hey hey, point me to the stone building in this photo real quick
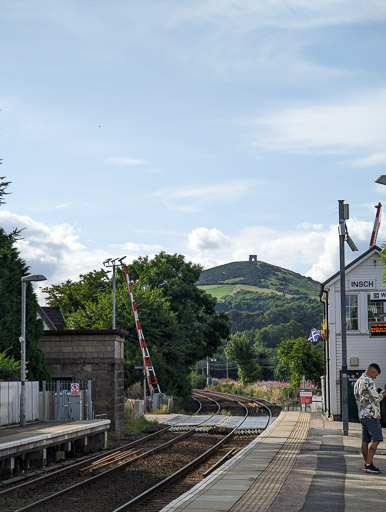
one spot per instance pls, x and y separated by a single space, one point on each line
95 355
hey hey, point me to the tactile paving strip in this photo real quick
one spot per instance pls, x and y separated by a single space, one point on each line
267 486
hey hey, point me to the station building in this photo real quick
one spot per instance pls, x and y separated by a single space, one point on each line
364 308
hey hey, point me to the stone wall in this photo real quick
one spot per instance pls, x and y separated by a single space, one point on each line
95 355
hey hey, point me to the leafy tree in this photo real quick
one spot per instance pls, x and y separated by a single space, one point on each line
298 357
266 358
9 367
179 321
73 297
201 326
258 310
271 335
12 269
240 349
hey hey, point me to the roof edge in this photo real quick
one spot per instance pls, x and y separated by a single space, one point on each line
375 248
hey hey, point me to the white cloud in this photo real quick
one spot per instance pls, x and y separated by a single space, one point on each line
251 14
356 123
56 252
190 199
227 191
308 226
312 251
202 239
371 160
118 160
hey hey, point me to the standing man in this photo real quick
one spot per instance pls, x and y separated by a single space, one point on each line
368 399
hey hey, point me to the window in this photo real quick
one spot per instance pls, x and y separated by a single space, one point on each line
352 312
375 311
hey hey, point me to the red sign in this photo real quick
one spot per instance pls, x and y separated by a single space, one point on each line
74 388
305 397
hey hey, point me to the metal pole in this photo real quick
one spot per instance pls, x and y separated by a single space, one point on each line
89 401
207 371
44 400
22 341
344 390
144 389
114 296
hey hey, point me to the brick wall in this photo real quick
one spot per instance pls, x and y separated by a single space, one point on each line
95 355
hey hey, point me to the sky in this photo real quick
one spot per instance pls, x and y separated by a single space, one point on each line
210 128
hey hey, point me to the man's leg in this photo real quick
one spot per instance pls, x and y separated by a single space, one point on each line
365 450
371 452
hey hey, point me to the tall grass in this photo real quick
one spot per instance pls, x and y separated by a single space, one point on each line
271 390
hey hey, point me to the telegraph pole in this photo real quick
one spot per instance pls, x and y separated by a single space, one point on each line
112 263
344 237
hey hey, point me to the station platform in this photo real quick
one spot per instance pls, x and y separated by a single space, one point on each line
38 442
302 462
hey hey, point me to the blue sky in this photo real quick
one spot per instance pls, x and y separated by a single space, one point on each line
215 129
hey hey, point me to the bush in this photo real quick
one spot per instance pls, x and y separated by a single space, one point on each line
135 391
198 381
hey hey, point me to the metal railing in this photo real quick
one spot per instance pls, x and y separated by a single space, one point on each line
291 400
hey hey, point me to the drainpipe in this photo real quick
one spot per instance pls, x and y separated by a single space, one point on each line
327 387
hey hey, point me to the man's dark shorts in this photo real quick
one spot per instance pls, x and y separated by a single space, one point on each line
371 430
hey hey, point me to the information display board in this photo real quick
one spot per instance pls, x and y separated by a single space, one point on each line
378 329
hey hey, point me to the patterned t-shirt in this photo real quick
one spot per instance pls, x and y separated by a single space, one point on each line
367 397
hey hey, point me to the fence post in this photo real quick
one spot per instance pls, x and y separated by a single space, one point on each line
44 400
89 401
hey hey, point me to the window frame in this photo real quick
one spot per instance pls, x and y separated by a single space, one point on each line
349 308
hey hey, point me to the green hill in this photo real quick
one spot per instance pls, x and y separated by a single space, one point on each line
268 301
256 277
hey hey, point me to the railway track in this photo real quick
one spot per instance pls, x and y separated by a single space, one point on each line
165 462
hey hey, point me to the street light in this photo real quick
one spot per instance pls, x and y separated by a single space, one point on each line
344 237
112 263
24 281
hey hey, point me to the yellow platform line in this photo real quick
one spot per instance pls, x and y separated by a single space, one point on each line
267 486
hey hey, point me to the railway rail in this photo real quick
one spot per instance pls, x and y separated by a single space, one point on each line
96 480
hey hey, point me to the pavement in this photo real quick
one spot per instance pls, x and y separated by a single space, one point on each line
302 462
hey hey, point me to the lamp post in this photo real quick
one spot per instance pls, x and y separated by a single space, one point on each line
24 281
344 237
111 263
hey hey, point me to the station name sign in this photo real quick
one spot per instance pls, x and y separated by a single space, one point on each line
362 284
378 329
378 296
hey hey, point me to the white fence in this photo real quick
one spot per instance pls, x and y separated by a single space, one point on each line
10 402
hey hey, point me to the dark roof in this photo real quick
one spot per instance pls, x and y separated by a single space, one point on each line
352 263
53 317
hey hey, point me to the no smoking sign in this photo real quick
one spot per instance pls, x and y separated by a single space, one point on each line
74 388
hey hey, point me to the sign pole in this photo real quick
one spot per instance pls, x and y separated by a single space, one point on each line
344 389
